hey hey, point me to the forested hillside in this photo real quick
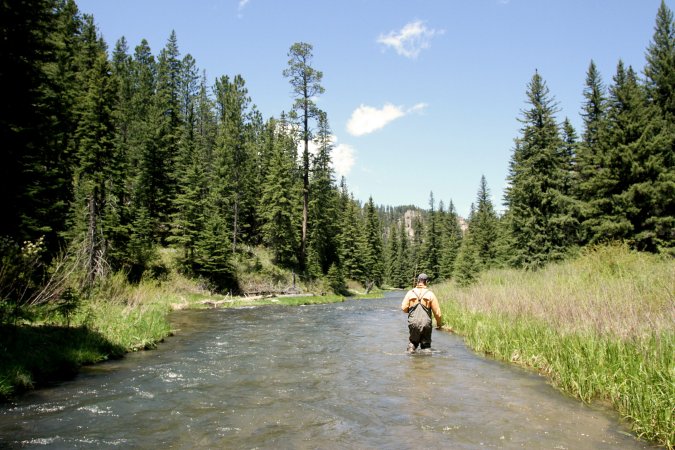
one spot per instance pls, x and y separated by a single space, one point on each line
109 154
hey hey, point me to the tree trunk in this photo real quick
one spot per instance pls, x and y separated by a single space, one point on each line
305 188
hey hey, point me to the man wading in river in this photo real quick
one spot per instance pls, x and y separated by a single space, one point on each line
419 303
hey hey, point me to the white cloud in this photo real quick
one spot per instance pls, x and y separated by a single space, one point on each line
418 108
366 119
343 158
242 5
411 39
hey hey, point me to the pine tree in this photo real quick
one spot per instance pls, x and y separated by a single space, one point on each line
406 269
139 162
278 196
627 203
120 201
306 84
660 82
352 241
540 214
374 270
38 43
212 258
52 187
451 242
189 216
415 249
594 107
568 158
95 174
589 157
430 248
235 163
162 149
255 143
195 181
323 215
660 67
393 266
467 266
483 228
200 226
188 90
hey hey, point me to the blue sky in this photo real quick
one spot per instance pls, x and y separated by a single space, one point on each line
421 95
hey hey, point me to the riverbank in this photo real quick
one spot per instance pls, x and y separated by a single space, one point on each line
119 318
600 327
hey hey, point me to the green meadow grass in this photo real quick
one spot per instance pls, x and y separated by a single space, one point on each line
600 327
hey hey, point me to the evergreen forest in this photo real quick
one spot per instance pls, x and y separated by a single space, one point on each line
112 153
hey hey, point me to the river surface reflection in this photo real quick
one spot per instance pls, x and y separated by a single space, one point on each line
322 376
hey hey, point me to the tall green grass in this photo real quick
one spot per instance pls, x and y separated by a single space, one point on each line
601 327
116 319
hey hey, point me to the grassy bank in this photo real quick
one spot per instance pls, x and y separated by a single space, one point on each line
118 318
601 327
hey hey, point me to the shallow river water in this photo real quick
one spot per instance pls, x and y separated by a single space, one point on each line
323 376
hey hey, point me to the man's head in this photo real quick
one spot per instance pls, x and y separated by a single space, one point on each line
422 278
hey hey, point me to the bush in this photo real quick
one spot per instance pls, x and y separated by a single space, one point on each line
21 271
336 280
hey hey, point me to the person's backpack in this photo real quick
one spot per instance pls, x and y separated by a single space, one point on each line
419 316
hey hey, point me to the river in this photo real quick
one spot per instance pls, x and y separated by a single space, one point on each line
322 376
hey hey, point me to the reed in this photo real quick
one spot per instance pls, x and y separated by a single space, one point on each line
601 327
133 328
118 318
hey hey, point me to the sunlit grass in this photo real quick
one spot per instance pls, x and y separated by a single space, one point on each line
601 327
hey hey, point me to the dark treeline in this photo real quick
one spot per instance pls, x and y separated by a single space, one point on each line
109 155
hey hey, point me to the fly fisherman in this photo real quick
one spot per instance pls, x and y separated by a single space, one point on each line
419 303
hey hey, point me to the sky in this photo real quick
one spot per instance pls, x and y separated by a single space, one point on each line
422 96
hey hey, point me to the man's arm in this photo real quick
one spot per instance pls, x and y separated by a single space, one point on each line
436 308
405 305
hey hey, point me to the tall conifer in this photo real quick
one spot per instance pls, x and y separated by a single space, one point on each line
278 196
630 181
163 149
467 266
374 269
451 241
38 46
393 267
430 248
306 84
406 270
483 228
97 162
323 216
660 83
542 222
235 163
